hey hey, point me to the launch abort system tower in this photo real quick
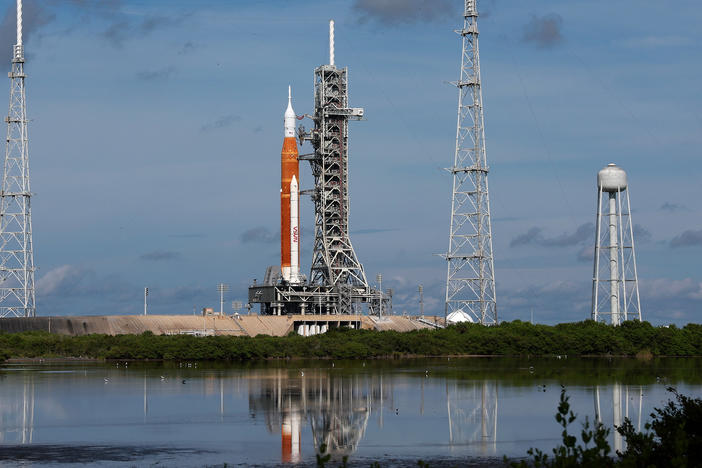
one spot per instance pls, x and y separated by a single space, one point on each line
470 279
16 254
337 282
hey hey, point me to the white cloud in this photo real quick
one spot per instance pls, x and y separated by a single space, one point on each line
664 288
657 41
60 280
79 290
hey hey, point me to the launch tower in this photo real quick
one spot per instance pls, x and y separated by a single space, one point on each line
337 282
470 279
334 261
16 255
615 282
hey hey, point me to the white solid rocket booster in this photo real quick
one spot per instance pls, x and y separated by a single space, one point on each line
294 232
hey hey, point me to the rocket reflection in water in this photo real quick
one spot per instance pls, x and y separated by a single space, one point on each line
336 407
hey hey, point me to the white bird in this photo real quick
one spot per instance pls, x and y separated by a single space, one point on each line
302 373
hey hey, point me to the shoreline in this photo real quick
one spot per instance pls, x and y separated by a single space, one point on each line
65 359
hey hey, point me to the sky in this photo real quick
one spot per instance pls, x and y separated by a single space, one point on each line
156 129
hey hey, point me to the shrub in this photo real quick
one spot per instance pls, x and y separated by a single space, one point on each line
673 438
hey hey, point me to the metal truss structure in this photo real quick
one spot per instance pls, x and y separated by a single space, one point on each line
334 261
337 282
336 276
314 299
470 280
282 299
16 255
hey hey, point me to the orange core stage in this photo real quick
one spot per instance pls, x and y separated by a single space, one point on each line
289 167
289 200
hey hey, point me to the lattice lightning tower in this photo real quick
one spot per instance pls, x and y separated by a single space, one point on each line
16 255
470 280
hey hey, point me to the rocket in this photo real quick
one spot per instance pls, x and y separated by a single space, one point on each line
289 200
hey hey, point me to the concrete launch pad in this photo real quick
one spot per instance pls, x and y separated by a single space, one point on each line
210 325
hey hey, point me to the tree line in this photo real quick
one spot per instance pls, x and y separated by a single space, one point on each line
507 339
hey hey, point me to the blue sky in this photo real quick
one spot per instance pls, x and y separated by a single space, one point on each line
157 125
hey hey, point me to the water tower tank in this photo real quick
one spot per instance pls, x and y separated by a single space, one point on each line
612 178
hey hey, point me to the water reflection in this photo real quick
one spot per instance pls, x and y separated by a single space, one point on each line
628 394
17 412
336 407
418 409
472 414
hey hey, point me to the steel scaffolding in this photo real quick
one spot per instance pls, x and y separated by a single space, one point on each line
335 269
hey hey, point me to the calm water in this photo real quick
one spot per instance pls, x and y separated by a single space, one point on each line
190 414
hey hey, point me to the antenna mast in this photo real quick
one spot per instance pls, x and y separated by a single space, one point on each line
16 254
470 279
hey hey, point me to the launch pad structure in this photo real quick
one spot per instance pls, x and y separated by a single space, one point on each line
337 283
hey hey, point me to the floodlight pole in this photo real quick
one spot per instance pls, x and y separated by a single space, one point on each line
221 287
380 292
421 300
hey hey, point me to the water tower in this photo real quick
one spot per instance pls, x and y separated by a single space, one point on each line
615 285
